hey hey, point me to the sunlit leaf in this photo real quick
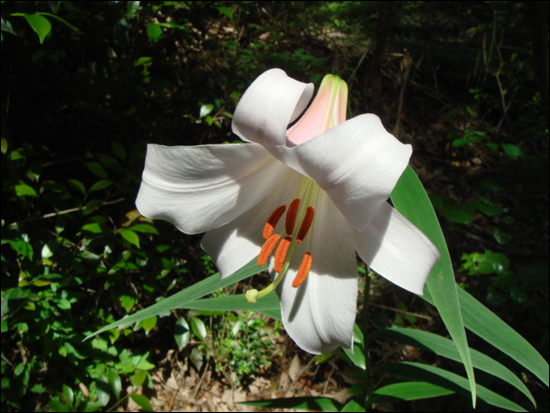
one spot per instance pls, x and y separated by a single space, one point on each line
182 333
143 402
130 236
410 199
115 382
187 296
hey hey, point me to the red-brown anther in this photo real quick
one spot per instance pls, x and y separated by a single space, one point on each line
303 271
267 249
280 254
291 216
306 224
273 220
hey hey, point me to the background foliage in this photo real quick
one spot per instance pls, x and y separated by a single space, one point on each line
85 85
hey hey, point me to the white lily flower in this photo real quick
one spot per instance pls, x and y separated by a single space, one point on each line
303 199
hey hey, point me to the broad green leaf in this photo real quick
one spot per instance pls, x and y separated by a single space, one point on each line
92 227
57 406
513 151
446 348
154 31
182 333
199 328
99 185
118 150
68 394
483 322
187 296
114 382
448 380
138 378
226 11
102 390
410 199
323 404
77 185
13 299
149 324
40 25
145 228
408 390
143 402
97 169
22 189
130 236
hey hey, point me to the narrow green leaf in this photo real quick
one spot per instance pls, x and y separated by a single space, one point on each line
408 390
446 348
357 357
448 380
323 404
483 322
187 296
352 406
411 200
268 305
40 25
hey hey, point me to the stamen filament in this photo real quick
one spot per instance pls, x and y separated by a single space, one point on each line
291 216
303 271
306 224
280 254
267 249
273 220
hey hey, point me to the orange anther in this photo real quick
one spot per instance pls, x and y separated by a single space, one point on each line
306 224
272 221
303 271
291 216
280 254
267 249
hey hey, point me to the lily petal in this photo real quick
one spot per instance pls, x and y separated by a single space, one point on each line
198 188
319 315
235 244
270 103
357 163
396 249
